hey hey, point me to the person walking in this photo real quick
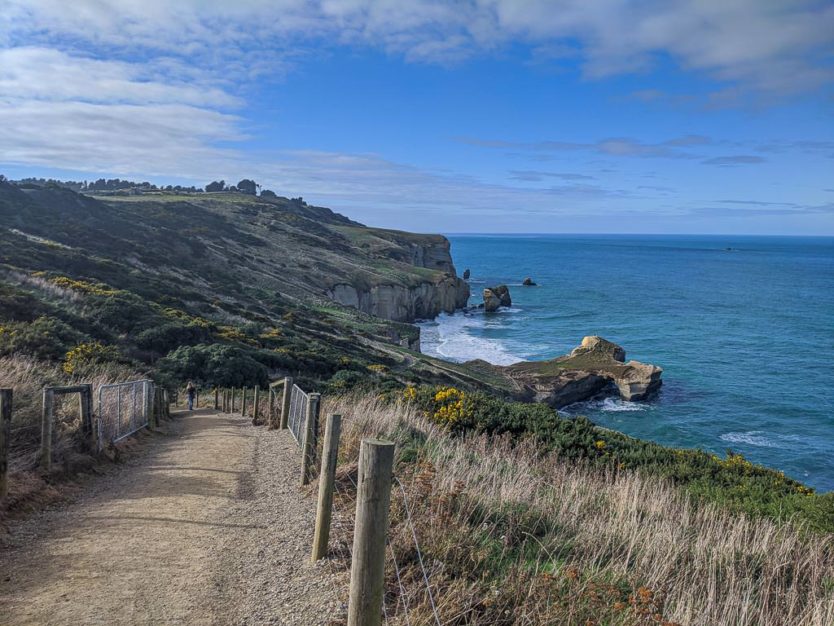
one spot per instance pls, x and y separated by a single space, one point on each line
191 392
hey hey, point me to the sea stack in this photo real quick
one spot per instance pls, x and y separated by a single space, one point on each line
496 297
466 274
528 282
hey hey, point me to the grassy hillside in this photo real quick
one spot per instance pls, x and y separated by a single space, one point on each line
171 281
513 531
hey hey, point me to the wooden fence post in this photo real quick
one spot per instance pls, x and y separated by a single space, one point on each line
308 448
86 414
373 499
5 438
232 408
255 402
216 398
327 477
46 429
270 420
243 401
285 402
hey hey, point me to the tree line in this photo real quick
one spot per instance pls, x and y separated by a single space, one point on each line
246 186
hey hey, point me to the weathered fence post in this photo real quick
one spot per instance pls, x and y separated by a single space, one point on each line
327 477
5 438
85 400
308 448
232 408
373 499
46 429
285 402
243 401
255 407
216 398
270 420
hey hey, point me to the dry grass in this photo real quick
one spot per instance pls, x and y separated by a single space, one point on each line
515 536
27 377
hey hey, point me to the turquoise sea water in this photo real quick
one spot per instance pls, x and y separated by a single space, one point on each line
743 327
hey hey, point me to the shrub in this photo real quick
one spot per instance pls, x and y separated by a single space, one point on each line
215 365
170 336
86 354
44 338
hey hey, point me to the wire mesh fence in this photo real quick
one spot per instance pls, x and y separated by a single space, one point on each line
298 412
123 409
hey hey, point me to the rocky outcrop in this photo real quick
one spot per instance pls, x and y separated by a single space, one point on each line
496 297
597 367
491 301
412 293
466 274
405 304
528 282
597 347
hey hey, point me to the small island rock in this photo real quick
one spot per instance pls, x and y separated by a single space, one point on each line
466 274
528 282
495 297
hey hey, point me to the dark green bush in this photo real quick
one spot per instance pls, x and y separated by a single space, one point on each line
214 365
44 338
170 336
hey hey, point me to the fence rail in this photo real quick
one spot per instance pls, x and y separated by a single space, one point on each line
123 408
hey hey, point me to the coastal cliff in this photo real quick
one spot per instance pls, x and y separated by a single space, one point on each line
425 285
402 303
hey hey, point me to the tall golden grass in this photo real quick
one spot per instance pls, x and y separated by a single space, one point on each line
514 535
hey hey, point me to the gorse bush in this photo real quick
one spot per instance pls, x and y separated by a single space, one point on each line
732 481
44 338
85 354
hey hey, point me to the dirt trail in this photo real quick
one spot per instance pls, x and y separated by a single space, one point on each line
207 526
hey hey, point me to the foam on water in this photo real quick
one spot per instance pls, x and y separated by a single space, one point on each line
449 337
606 405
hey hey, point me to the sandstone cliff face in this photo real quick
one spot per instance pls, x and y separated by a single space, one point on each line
420 298
405 304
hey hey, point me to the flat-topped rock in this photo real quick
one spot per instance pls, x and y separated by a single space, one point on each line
595 368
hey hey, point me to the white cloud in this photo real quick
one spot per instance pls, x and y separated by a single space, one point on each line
38 73
768 46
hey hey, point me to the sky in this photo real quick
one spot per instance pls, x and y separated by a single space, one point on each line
500 116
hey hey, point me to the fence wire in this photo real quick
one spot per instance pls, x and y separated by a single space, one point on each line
298 413
123 409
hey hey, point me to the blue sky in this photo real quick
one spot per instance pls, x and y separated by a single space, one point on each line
469 116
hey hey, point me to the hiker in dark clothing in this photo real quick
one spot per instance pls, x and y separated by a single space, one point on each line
191 392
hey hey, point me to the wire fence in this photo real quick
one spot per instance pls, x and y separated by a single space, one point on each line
298 412
343 538
123 408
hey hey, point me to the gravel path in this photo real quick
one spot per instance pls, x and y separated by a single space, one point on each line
207 526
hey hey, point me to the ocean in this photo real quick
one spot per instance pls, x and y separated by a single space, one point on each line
742 326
